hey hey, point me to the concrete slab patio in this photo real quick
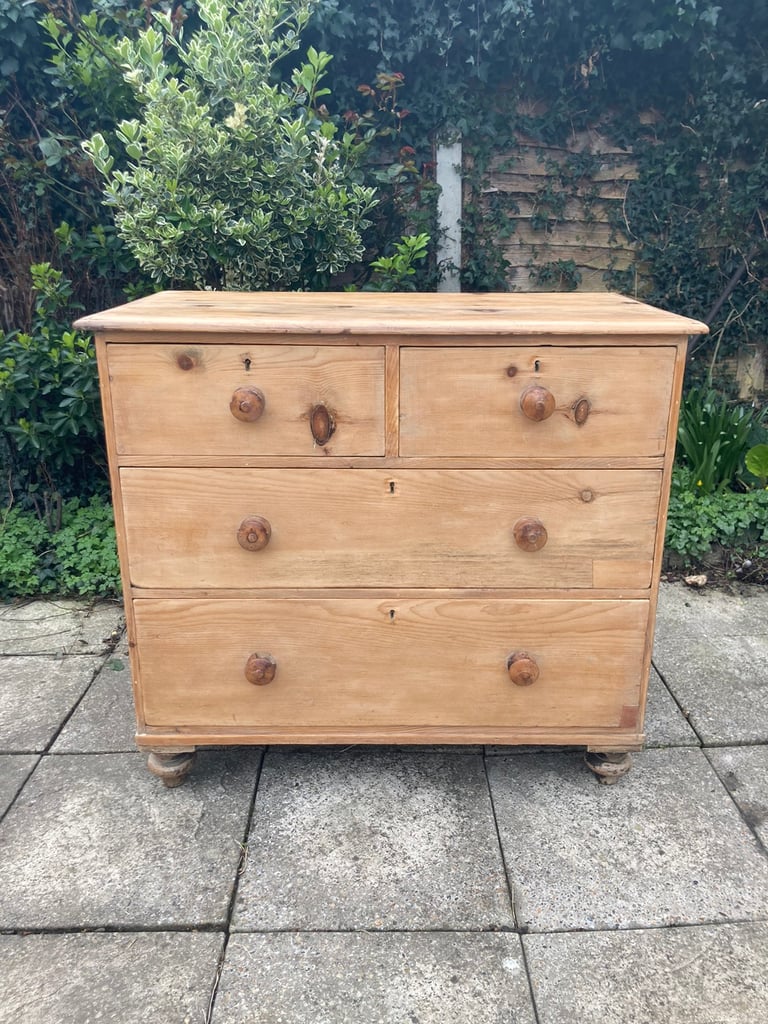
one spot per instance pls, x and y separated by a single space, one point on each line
393 885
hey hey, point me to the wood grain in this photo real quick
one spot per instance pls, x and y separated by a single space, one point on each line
374 528
347 382
373 663
466 402
328 313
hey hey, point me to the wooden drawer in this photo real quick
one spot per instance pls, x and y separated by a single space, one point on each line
391 528
467 401
376 663
175 399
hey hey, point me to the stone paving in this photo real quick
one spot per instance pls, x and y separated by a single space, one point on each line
395 885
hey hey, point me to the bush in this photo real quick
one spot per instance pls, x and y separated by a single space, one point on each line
233 181
78 559
50 411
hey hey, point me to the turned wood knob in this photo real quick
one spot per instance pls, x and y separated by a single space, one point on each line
530 534
522 668
322 424
247 404
260 669
537 402
253 533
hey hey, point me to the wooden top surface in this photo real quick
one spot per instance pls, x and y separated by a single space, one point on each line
374 313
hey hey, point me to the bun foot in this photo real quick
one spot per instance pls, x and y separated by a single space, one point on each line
608 768
171 768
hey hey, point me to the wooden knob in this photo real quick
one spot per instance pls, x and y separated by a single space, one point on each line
260 669
253 533
530 534
537 402
247 404
522 668
322 424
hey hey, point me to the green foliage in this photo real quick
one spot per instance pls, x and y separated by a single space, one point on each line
79 558
50 412
696 521
396 273
713 438
757 463
233 181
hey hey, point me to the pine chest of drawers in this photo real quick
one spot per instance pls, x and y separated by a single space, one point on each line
365 518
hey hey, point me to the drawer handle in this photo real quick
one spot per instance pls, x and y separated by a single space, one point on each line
530 534
322 424
537 403
260 669
253 533
522 668
247 404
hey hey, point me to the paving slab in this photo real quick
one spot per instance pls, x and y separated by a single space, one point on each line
665 723
372 839
94 840
14 771
685 611
707 975
744 772
60 627
720 682
105 720
36 696
109 978
374 978
665 846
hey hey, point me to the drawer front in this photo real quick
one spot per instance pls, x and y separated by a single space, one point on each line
359 663
176 400
596 402
190 528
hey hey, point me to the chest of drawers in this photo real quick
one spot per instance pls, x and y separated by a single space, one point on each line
365 518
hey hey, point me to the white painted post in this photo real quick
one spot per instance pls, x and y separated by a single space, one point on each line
448 175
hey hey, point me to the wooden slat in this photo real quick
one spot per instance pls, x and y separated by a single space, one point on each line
374 528
467 402
390 663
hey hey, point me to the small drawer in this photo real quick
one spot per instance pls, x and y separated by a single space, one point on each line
378 663
299 400
535 402
262 528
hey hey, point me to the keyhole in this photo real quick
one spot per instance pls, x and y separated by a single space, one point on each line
247 363
536 365
391 613
391 486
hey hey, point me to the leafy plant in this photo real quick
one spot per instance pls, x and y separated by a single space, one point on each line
50 411
79 558
757 463
713 438
233 181
395 273
697 521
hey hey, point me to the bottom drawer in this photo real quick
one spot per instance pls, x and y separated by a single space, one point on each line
372 663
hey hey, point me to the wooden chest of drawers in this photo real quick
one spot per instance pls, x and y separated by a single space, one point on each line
365 518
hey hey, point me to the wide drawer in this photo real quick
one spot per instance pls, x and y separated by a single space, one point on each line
598 402
190 528
176 399
363 663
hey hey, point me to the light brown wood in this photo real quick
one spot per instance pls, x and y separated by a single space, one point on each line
392 551
463 402
295 381
323 313
385 663
375 528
